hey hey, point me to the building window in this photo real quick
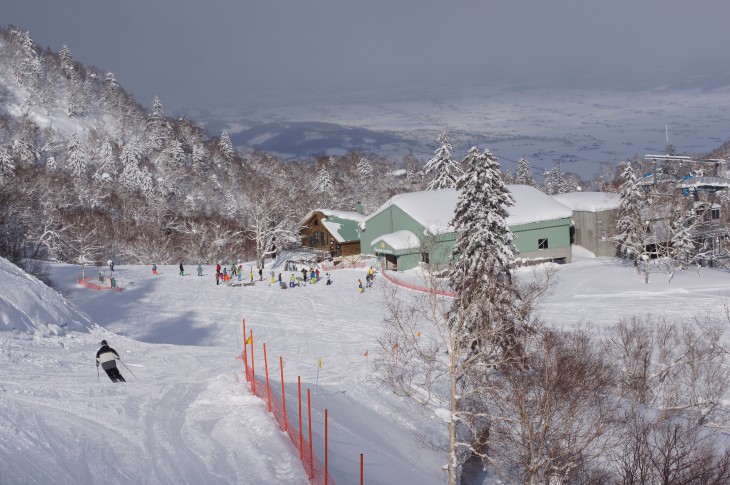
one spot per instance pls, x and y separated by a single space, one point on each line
542 244
424 258
715 214
311 240
316 222
323 239
316 238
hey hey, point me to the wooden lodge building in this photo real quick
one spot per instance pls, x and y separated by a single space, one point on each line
333 232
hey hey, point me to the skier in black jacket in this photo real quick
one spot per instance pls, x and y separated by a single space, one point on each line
107 357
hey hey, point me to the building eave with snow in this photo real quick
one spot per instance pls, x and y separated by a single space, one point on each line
333 232
415 227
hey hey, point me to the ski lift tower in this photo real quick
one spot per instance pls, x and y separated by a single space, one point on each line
698 181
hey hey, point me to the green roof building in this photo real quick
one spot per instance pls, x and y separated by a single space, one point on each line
415 227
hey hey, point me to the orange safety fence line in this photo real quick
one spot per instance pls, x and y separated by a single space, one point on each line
87 283
313 466
415 287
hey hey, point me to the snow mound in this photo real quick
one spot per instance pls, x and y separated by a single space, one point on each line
29 306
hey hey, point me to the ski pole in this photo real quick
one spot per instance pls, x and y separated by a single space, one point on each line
125 366
97 374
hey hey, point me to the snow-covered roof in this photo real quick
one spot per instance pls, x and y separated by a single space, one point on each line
341 224
434 209
589 201
347 215
398 240
334 229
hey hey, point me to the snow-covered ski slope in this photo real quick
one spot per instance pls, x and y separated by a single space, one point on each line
190 419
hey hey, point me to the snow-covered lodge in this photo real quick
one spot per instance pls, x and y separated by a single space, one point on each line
333 232
415 227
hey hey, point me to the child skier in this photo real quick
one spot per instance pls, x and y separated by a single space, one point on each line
200 269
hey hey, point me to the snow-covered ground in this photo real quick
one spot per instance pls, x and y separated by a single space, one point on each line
187 417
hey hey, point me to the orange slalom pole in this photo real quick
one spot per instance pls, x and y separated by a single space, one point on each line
311 454
326 467
268 389
245 357
253 374
283 394
301 438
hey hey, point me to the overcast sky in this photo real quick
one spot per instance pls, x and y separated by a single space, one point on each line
193 52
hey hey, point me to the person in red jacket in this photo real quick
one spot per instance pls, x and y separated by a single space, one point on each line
107 357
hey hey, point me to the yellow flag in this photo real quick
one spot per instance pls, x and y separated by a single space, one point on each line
248 340
320 362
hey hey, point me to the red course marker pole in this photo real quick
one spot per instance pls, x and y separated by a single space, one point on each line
311 459
326 435
283 394
245 357
253 373
268 388
301 436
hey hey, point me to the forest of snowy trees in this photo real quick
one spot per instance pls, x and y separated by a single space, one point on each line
88 174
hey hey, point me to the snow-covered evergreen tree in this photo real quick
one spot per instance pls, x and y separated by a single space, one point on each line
484 319
554 183
27 62
524 176
630 226
364 170
226 147
131 153
23 152
107 160
77 161
200 157
175 154
67 61
7 167
323 182
132 176
442 168
682 245
51 165
483 254
156 126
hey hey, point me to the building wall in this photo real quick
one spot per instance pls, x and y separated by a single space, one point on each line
439 248
389 220
349 250
594 230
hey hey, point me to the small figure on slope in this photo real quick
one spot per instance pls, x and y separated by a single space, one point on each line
182 270
200 270
359 285
107 357
154 269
